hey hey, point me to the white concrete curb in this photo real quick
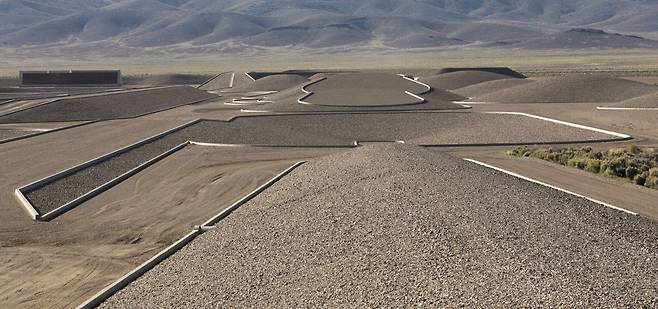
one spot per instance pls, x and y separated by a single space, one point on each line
124 281
550 186
627 108
621 135
252 79
415 80
212 221
230 83
41 182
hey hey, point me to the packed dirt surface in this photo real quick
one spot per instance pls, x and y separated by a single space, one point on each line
61 263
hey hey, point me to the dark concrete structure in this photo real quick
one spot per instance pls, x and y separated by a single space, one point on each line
95 78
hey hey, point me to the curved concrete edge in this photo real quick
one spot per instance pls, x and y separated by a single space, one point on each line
106 186
575 125
627 108
227 211
551 186
46 131
428 88
308 93
48 179
124 281
419 99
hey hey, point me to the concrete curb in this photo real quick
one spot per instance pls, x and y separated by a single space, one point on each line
420 99
250 77
46 180
209 80
551 186
218 217
124 281
104 187
13 139
627 108
133 275
307 92
415 80
620 135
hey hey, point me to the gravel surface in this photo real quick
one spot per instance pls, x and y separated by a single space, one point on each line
110 106
364 89
398 226
286 101
273 83
645 101
574 88
456 80
62 191
319 130
11 133
221 81
479 89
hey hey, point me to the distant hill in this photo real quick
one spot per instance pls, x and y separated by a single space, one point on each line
129 26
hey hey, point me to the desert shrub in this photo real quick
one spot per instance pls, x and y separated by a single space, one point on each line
651 182
639 165
631 172
576 162
593 166
653 172
634 149
640 179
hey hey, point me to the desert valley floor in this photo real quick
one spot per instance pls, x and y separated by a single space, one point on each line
325 188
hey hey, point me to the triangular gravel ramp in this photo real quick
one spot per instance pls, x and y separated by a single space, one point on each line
400 226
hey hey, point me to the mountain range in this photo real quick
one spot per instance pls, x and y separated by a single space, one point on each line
124 27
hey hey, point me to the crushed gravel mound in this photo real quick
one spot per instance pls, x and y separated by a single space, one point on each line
171 79
490 86
645 101
272 83
498 70
110 106
460 79
573 88
400 226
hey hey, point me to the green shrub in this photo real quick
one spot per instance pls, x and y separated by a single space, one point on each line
639 165
640 179
631 172
593 166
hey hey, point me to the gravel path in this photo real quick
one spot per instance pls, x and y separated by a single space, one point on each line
110 106
318 130
64 190
399 226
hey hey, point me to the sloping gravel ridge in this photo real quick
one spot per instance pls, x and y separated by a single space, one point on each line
400 226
